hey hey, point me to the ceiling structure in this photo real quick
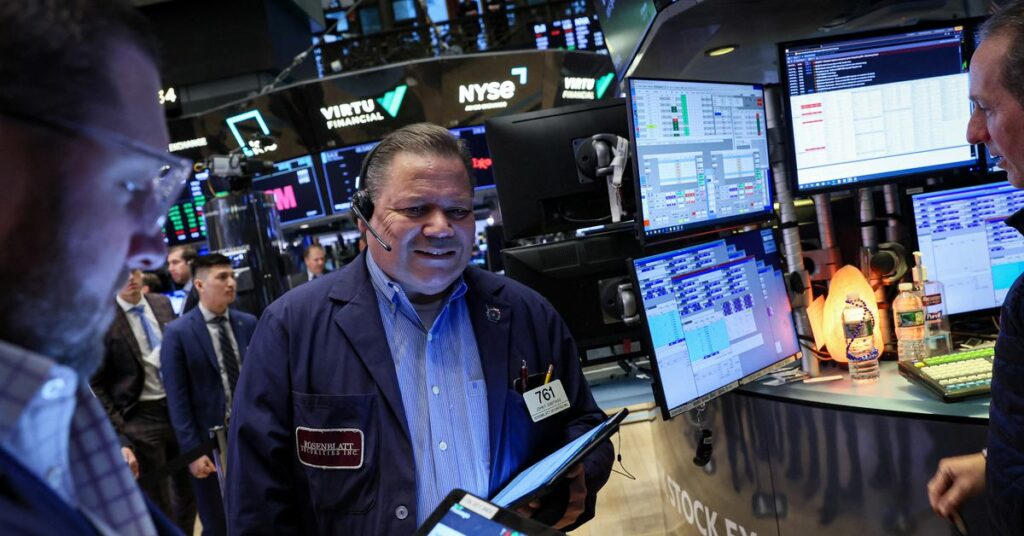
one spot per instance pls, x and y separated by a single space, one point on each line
684 30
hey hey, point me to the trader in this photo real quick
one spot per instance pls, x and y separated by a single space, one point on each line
372 392
997 91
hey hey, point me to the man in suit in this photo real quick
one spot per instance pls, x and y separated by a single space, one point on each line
129 386
201 357
84 145
179 265
315 258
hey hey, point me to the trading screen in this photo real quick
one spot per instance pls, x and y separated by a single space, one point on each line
966 245
185 222
875 107
716 313
295 189
341 169
701 152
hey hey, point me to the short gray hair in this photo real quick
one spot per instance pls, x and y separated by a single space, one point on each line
424 139
1009 21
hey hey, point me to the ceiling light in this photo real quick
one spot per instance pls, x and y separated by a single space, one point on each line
720 51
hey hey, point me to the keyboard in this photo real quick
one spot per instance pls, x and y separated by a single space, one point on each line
953 376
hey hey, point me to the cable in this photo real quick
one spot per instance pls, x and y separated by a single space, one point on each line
618 457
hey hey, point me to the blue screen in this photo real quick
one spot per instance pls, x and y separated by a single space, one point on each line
716 312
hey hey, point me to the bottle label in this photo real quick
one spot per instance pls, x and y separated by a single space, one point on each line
931 299
934 316
910 319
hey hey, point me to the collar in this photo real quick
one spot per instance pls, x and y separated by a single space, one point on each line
393 292
29 374
1016 220
208 316
188 286
125 306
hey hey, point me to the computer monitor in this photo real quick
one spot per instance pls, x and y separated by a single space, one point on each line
701 155
580 278
185 222
476 143
717 315
539 187
877 106
966 245
341 171
295 189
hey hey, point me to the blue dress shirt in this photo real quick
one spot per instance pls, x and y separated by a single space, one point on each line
443 391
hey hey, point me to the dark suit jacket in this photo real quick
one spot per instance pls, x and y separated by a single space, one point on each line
28 506
295 280
191 301
195 392
118 382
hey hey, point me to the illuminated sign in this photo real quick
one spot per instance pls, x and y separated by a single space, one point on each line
254 147
284 197
194 143
364 111
583 88
491 95
167 96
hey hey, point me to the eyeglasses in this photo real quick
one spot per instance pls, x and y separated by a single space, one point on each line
152 192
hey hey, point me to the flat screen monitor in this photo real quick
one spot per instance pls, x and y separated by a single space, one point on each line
717 315
701 155
539 187
296 192
580 278
476 142
341 171
878 106
185 222
966 245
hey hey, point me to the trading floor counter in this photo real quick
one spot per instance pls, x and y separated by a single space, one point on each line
824 458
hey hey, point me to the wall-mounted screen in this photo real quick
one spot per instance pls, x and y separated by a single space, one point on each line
700 155
295 189
877 106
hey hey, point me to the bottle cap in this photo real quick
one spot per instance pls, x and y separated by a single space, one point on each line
906 287
853 296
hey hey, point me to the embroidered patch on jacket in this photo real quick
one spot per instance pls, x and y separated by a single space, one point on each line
336 448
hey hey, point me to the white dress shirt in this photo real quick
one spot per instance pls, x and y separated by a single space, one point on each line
152 387
211 326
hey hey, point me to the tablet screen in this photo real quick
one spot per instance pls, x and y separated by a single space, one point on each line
545 470
462 521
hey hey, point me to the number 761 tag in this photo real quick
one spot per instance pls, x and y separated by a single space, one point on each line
546 400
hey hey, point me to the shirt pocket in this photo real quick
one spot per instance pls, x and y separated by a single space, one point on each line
337 446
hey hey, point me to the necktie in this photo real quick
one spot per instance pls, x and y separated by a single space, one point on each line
152 336
227 352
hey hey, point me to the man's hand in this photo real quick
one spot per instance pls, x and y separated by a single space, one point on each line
202 467
577 499
958 478
129 458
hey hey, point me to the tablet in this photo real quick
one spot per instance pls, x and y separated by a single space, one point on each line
462 514
540 477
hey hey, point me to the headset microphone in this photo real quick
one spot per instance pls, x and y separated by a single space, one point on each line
359 201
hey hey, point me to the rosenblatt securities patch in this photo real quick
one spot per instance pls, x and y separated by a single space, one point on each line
338 448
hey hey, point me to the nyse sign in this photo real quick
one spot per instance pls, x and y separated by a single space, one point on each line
491 95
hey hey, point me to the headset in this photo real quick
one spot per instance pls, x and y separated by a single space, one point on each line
362 203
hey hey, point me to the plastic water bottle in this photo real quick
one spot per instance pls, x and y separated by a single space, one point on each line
859 329
936 321
908 318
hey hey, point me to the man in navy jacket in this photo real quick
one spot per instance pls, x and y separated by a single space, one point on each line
997 91
202 354
343 423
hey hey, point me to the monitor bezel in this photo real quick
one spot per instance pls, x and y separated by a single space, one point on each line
658 385
966 50
708 226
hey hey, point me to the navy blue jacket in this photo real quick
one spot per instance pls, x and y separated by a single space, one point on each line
28 506
1005 467
191 374
320 360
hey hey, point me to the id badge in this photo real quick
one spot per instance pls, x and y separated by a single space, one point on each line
546 400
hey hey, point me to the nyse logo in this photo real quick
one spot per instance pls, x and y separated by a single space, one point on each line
491 95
